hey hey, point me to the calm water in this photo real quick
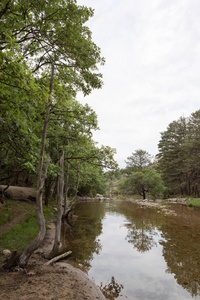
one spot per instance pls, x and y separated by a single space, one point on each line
137 253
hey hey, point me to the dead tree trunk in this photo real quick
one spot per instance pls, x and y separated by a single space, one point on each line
56 245
40 184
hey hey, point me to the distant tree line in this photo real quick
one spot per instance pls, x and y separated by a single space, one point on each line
175 170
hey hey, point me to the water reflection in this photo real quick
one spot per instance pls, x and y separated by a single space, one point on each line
143 241
137 252
142 226
111 290
81 236
181 248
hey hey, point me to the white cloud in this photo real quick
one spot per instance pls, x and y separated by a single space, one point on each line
152 71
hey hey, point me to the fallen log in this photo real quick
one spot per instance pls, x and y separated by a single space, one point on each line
59 257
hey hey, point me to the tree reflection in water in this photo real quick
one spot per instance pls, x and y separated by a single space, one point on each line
141 239
181 243
177 239
111 290
142 226
81 236
180 240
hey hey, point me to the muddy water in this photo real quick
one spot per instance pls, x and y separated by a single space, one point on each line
137 253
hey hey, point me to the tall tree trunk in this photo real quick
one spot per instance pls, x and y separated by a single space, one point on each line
65 215
40 184
196 190
143 194
23 260
56 245
47 191
66 189
66 186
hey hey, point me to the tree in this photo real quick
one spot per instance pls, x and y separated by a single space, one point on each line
143 182
179 155
40 184
193 152
138 160
50 38
72 131
173 157
47 55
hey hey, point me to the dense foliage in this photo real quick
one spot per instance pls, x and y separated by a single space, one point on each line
37 37
179 156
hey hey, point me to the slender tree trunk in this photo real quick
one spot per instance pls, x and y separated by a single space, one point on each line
65 215
56 245
189 184
23 260
196 190
47 192
144 194
66 187
40 184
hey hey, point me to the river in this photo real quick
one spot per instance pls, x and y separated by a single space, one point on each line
137 252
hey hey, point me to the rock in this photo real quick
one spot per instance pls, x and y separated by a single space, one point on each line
88 199
99 196
6 252
51 226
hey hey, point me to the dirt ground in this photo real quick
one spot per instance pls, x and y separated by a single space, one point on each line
54 282
60 281
57 281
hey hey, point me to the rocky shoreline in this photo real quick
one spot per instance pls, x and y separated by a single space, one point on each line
178 200
93 199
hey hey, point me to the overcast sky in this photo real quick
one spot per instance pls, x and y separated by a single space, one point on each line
152 71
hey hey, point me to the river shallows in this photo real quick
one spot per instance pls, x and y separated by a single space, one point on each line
135 252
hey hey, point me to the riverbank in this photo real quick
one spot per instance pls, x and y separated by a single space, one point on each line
38 281
158 204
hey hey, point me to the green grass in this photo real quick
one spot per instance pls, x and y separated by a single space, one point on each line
20 235
193 202
7 211
23 233
10 208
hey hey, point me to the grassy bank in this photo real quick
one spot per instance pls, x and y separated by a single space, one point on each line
7 212
193 202
19 236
